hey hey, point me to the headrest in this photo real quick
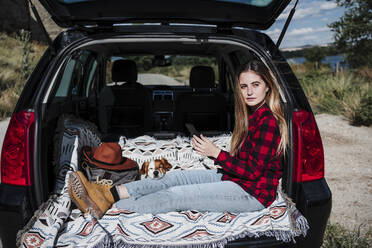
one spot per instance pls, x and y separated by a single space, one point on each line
124 71
202 77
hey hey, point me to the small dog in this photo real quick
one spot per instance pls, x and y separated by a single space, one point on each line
155 169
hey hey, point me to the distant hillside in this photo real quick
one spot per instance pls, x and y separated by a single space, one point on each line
300 52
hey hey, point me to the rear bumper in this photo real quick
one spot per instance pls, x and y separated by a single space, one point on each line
10 223
314 200
259 243
13 213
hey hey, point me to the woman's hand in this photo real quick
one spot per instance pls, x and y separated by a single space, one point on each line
205 147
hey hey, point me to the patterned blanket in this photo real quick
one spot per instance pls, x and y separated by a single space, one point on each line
178 151
55 224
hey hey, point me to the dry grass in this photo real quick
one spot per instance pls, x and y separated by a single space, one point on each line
342 93
337 236
11 79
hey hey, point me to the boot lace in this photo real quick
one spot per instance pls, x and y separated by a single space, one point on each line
104 182
77 188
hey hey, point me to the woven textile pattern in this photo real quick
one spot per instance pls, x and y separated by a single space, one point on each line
55 225
178 151
74 135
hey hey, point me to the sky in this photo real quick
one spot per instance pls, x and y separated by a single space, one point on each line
309 23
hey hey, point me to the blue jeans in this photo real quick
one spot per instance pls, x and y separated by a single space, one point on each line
200 190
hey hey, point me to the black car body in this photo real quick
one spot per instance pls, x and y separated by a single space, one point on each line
224 33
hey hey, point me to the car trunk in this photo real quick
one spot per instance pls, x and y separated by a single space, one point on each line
228 51
227 17
84 106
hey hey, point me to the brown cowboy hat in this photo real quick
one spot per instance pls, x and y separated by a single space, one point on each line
108 156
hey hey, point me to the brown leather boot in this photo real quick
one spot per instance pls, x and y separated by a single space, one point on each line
89 196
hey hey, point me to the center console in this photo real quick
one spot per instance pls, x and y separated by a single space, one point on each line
163 107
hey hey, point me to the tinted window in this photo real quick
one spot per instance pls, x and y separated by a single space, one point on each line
169 70
78 76
92 78
66 79
258 3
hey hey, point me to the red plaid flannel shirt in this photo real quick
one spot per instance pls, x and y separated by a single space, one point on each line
256 167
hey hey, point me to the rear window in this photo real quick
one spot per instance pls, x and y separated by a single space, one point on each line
172 70
258 3
79 74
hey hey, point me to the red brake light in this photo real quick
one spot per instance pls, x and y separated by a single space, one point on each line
307 148
17 151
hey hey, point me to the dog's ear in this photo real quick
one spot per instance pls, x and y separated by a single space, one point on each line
144 168
165 163
163 170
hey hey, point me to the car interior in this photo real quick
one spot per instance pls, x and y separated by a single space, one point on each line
134 88
127 89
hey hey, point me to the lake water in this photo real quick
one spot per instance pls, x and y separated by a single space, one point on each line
331 60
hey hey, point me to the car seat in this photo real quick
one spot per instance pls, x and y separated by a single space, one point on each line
204 106
131 114
105 104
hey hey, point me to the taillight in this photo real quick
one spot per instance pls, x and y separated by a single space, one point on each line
17 151
307 148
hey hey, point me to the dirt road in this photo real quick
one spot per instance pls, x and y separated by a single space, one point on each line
348 170
3 127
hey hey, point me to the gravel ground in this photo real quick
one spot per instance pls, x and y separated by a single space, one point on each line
3 127
348 170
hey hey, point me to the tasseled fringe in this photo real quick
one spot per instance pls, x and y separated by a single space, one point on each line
140 159
31 222
302 226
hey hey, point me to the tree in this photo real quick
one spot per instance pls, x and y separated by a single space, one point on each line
314 55
353 32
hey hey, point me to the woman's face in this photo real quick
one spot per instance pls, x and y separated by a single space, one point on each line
253 89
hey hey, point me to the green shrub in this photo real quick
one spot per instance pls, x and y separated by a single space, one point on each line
345 93
26 62
5 111
18 57
337 236
314 55
363 114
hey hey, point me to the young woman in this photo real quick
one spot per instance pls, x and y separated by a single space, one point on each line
249 174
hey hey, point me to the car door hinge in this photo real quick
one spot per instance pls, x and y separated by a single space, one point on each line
38 19
289 18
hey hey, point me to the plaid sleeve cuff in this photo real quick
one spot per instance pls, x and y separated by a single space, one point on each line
221 156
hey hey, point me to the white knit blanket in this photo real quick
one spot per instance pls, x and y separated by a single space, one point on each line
55 224
178 151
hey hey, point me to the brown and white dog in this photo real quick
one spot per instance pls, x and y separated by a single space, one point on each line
155 169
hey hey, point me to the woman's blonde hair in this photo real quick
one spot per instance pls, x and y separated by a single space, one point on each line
272 100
